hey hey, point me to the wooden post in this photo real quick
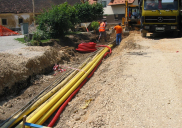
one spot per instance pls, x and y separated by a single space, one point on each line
33 12
24 120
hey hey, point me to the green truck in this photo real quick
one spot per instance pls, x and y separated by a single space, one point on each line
160 16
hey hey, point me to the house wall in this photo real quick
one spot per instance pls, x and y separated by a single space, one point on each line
115 9
13 19
135 2
114 13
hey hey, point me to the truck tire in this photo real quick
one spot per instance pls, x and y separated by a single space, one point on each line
143 34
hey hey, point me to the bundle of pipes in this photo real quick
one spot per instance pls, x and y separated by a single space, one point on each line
45 107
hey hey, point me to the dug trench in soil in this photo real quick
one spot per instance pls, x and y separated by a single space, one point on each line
19 66
22 71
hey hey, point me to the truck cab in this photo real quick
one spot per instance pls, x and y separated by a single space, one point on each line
160 16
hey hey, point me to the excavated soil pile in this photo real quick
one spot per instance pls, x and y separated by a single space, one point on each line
19 66
22 64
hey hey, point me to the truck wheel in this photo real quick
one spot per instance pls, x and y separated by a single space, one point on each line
143 34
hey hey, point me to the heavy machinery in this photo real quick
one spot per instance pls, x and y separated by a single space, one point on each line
160 16
130 21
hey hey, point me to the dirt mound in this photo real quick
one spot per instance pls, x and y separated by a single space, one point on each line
18 68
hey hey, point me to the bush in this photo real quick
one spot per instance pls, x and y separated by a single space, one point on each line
95 25
57 20
36 43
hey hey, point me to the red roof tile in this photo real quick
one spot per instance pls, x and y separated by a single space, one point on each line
25 6
117 2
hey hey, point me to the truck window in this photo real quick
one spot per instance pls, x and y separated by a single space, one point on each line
160 4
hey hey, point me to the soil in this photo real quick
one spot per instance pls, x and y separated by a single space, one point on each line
25 72
138 85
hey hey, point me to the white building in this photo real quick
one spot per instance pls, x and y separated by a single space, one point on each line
114 10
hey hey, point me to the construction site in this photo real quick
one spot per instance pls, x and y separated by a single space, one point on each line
79 82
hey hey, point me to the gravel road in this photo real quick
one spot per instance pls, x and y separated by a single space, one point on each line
9 42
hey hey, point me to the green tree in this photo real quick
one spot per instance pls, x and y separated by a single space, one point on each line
88 12
57 20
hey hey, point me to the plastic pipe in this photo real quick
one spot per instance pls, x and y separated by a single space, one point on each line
64 105
69 98
15 116
46 115
38 109
43 99
61 94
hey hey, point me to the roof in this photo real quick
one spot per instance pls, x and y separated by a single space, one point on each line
15 6
114 2
117 2
92 1
26 6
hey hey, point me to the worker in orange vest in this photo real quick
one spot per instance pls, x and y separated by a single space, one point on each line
102 30
119 30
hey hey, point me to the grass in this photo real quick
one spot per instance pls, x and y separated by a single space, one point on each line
23 41
20 40
44 41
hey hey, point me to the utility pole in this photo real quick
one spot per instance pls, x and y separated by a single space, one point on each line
33 12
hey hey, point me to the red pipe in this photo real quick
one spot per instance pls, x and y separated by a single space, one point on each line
82 47
70 97
64 105
87 47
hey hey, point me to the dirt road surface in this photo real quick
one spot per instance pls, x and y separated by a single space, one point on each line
138 86
9 42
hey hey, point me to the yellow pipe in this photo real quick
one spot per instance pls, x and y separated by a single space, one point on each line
39 108
32 114
57 97
43 99
52 109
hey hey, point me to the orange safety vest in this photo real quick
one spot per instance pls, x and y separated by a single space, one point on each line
102 27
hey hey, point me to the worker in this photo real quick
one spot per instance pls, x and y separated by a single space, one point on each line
129 14
102 30
135 14
118 29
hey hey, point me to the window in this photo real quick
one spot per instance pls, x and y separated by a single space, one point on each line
20 21
104 3
160 4
115 16
4 21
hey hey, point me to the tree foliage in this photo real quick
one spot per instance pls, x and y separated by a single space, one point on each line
57 20
95 25
88 12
